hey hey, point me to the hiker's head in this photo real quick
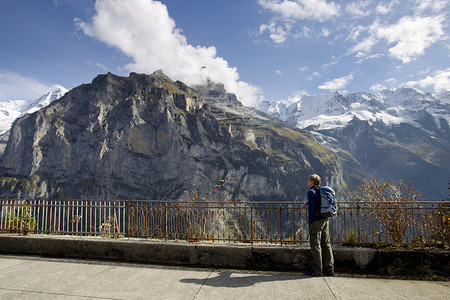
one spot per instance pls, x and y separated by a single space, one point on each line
313 180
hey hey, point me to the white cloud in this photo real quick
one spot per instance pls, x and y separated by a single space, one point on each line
439 81
328 65
364 46
435 6
278 34
144 31
318 10
411 35
14 86
311 77
287 13
325 32
377 87
356 31
383 8
364 57
358 9
336 84
408 38
391 81
306 31
297 96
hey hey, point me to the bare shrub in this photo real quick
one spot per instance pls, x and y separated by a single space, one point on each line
441 225
20 219
391 203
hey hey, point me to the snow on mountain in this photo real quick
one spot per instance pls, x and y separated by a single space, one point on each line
334 110
10 110
444 97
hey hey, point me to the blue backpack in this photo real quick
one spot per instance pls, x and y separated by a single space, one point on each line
328 203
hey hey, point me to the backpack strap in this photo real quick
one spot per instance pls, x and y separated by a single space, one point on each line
318 200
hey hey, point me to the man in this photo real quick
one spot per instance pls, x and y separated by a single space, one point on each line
319 232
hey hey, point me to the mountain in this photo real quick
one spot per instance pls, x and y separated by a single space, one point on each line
10 110
148 137
400 134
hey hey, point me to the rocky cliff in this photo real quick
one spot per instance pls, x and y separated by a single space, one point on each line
10 110
148 137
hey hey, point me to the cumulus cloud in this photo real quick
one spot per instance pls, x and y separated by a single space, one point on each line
336 84
439 81
407 39
14 86
411 35
145 32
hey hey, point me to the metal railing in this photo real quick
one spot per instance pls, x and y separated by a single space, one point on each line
421 223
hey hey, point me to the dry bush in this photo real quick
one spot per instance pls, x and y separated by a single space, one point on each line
19 219
391 203
440 225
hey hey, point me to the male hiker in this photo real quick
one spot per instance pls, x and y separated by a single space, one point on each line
319 233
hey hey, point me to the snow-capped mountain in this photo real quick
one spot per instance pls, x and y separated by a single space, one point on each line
335 110
397 134
10 110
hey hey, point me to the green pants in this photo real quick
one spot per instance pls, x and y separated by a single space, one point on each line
319 239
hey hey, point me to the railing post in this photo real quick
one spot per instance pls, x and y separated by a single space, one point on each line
128 219
165 221
251 223
358 211
281 225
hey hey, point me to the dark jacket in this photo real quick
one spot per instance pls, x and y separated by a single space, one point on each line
313 202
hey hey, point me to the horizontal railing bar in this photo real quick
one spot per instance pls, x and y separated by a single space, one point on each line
247 222
220 202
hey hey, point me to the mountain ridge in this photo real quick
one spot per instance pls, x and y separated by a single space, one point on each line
148 137
401 134
10 110
389 106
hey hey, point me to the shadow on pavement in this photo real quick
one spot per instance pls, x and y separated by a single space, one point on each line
224 279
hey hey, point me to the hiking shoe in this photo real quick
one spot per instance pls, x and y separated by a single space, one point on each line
313 274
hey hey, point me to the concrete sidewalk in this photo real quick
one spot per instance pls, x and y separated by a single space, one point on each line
34 277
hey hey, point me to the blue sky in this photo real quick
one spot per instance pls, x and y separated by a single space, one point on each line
260 49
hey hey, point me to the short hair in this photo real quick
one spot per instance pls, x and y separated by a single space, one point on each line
315 178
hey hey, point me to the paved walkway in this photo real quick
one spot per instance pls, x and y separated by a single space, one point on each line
32 277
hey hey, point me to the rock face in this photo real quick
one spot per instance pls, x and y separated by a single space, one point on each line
10 110
147 137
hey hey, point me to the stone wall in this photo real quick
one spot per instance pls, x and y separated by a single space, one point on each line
263 257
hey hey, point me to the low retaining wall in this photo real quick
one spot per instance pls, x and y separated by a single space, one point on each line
264 257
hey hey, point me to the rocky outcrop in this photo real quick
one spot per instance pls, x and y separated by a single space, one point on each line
10 110
147 137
